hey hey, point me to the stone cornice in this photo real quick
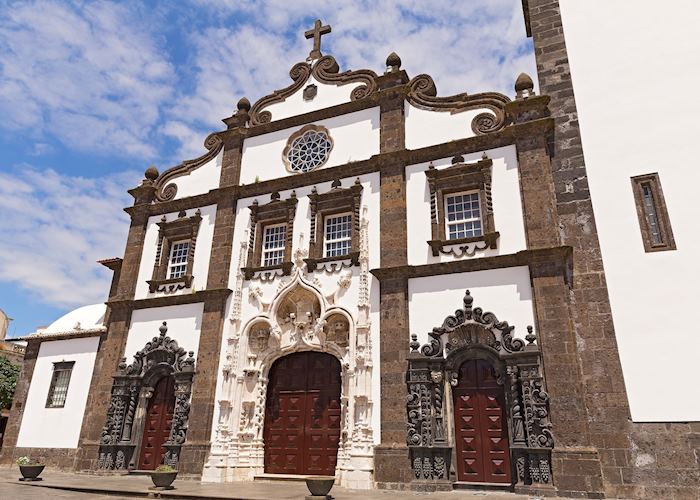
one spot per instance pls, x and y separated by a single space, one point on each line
555 261
71 334
504 137
171 300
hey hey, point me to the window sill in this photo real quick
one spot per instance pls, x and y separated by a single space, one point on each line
250 272
489 240
170 285
333 263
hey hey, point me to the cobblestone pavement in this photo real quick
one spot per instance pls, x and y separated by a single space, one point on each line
60 485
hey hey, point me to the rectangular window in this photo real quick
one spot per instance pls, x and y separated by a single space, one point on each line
338 235
463 215
273 244
177 265
652 213
59 384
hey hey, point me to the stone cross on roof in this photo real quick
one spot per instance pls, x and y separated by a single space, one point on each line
316 33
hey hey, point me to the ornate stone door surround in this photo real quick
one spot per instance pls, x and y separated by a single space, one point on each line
131 391
432 372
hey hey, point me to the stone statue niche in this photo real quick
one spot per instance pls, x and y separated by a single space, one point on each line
337 330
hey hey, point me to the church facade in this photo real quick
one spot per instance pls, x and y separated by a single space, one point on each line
362 279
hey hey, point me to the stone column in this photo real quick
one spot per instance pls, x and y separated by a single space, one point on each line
391 460
556 336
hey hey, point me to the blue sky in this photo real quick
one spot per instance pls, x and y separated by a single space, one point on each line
91 93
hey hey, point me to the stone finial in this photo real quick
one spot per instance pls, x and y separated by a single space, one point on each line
163 328
393 63
530 337
414 345
336 184
468 300
524 86
457 159
275 196
151 173
243 105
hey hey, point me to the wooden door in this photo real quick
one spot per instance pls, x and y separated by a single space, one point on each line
481 432
302 416
159 419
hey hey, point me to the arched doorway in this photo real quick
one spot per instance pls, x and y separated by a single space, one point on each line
157 424
481 429
303 415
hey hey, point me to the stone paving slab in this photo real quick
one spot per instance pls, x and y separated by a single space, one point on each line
134 486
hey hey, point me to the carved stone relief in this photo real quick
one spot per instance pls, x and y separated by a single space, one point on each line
433 370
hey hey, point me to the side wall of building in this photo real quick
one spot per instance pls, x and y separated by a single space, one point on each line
638 460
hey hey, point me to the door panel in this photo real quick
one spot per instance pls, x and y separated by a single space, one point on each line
302 416
159 419
481 431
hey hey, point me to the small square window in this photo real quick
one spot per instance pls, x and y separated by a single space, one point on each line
463 215
273 244
338 235
177 264
59 384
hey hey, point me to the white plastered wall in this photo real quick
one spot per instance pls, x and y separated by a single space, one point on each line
326 96
201 180
184 325
426 128
355 137
202 252
635 83
505 292
58 427
507 207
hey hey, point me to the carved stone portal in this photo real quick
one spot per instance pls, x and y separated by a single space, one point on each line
432 372
131 391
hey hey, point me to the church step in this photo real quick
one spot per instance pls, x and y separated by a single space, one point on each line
464 485
281 477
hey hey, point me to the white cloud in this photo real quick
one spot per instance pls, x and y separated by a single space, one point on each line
88 74
55 227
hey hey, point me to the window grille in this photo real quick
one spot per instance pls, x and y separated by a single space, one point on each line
177 265
338 234
273 244
59 384
463 215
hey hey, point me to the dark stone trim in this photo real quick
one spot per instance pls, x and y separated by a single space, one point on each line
556 261
376 163
668 242
164 191
114 265
335 201
171 300
335 262
277 211
458 177
250 272
438 246
182 228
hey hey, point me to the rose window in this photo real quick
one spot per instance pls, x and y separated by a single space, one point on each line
308 149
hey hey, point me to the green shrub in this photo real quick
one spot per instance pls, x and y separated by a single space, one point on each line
165 468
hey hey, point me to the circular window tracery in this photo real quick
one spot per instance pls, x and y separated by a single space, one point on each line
307 149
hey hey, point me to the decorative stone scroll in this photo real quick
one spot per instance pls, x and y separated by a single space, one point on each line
433 370
422 93
131 391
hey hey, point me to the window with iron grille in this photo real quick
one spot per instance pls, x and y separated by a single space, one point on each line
59 384
273 244
177 265
463 215
338 235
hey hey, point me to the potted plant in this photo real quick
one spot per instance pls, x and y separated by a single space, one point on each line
30 468
320 486
163 477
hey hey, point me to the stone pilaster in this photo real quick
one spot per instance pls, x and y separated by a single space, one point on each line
391 461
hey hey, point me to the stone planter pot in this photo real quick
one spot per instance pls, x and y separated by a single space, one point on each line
320 485
163 480
31 472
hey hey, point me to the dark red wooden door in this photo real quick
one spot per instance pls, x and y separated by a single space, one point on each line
302 416
159 419
481 430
